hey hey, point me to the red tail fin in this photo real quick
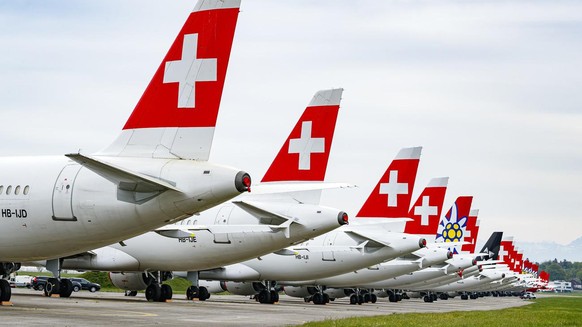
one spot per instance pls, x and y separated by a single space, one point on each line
176 115
453 226
428 208
506 249
392 195
304 155
472 232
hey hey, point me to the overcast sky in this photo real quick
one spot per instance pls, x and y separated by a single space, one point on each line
491 89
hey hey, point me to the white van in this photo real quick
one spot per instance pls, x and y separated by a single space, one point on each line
21 281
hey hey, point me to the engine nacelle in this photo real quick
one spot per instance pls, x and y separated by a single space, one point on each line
213 286
300 291
381 293
337 293
130 281
243 288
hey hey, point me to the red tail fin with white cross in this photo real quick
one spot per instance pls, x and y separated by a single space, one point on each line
305 153
427 209
472 232
176 115
392 195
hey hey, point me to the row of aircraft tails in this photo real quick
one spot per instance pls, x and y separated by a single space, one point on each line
150 206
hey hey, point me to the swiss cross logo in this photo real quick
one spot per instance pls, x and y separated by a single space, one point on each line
393 188
425 210
502 253
189 70
306 145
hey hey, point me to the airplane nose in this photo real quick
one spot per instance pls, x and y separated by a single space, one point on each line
342 218
242 182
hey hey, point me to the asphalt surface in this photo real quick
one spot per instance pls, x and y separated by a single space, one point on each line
101 308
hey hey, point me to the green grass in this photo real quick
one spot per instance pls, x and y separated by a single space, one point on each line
550 311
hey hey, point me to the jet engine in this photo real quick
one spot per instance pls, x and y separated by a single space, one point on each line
130 281
243 288
337 293
300 291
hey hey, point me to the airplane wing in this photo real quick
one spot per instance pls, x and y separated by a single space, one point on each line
124 179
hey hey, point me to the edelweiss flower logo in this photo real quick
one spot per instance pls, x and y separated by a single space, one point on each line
452 228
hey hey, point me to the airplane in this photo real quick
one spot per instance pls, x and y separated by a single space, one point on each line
253 225
427 207
344 250
156 172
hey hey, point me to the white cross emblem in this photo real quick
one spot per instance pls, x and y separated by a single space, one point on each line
189 70
306 145
502 253
425 211
393 188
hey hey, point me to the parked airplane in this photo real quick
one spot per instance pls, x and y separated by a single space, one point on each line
427 208
344 250
155 173
255 224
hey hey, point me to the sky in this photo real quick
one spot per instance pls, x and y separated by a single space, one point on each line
490 89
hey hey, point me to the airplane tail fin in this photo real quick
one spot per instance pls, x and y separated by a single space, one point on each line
492 247
392 195
453 226
176 115
427 209
472 232
305 153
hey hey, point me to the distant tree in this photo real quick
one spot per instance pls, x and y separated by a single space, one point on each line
556 271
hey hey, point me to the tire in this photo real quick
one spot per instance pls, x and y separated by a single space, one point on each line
373 298
192 293
203 293
66 288
93 289
353 299
274 297
5 291
165 292
153 293
317 298
53 286
76 288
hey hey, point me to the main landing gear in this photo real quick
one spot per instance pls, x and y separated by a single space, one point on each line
158 292
6 268
57 286
363 296
196 292
268 295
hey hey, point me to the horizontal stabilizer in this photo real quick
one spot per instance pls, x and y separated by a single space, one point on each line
261 214
124 179
373 241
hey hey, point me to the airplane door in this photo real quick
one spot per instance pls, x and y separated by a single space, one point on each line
222 219
63 193
327 255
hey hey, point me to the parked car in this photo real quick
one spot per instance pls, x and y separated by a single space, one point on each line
528 295
84 284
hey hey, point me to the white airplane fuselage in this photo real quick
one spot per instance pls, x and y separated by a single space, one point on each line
208 246
327 255
52 206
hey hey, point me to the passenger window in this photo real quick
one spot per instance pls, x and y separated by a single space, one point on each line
1 189
17 190
9 190
25 191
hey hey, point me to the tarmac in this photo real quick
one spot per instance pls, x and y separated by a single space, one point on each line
103 308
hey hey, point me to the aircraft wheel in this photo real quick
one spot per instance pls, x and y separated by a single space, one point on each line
165 292
53 286
433 297
153 292
326 298
317 298
353 299
66 288
426 298
366 298
203 293
5 291
192 293
373 298
464 297
360 299
392 297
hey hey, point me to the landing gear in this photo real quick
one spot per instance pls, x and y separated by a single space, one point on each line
444 296
356 298
320 298
268 295
130 293
195 291
6 268
156 291
153 292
